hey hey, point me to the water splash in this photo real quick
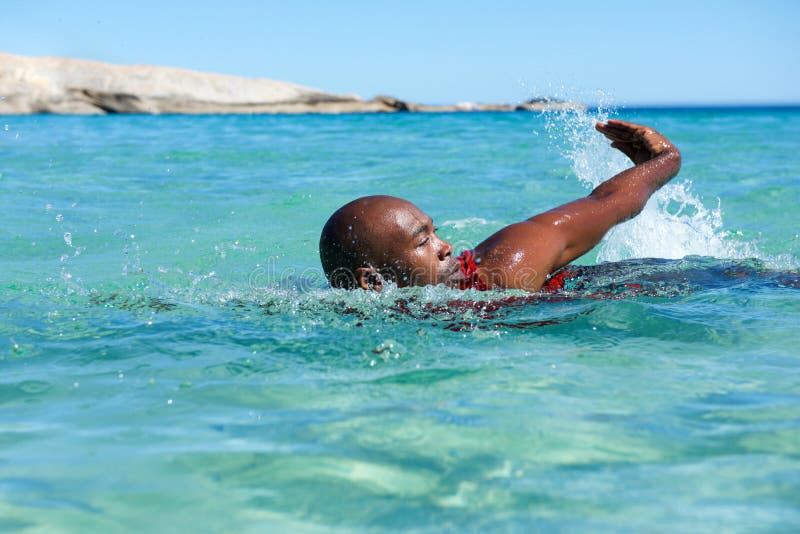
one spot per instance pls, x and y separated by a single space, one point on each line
675 223
305 305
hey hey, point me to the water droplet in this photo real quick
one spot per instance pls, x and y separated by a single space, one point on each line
59 217
68 238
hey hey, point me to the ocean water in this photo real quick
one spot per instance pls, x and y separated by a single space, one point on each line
172 358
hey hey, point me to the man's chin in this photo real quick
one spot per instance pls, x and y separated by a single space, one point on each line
453 278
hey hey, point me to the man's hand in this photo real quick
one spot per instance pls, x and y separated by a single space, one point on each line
639 143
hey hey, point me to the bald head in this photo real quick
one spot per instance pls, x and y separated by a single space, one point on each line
356 236
387 235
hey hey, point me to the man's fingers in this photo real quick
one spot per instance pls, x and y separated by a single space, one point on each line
640 143
616 123
622 130
625 128
617 130
613 124
617 136
635 131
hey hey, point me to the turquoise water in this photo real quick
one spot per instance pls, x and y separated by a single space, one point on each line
172 359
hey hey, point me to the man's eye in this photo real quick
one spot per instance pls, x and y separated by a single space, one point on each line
424 241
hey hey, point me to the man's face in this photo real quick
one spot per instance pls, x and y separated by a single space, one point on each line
412 251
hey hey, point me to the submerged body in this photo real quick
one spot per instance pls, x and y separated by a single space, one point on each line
378 238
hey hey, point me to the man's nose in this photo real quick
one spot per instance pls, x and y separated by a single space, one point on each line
445 250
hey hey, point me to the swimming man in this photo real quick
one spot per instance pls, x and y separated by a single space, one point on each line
376 239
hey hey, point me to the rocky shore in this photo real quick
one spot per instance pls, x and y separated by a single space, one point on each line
74 86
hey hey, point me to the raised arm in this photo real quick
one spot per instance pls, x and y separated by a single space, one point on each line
620 198
523 254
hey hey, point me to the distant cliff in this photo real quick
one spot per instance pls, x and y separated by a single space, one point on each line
74 86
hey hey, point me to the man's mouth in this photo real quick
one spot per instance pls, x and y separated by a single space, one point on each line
454 274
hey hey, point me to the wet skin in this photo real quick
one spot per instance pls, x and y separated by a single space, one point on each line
394 240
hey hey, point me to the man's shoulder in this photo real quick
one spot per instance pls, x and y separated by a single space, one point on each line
518 256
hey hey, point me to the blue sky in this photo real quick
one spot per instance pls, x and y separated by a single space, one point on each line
669 52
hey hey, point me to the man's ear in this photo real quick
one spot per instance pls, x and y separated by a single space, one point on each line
368 278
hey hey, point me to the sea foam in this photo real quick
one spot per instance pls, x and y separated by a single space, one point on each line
675 223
